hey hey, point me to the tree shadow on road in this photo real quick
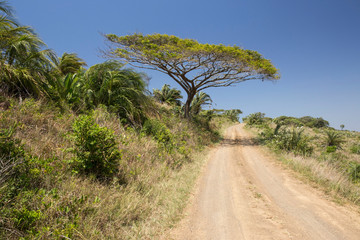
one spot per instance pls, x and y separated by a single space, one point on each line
243 141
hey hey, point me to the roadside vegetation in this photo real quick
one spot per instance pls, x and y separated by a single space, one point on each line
87 152
324 155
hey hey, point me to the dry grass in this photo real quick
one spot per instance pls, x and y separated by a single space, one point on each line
326 175
80 207
328 171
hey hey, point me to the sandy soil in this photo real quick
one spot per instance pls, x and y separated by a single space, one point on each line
245 194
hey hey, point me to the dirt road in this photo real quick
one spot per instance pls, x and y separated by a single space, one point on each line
245 194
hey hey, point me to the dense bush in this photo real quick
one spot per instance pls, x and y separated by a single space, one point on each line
159 132
303 121
255 119
314 122
233 114
290 121
95 149
333 138
330 149
289 140
355 148
354 171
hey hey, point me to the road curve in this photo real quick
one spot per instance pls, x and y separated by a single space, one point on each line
245 194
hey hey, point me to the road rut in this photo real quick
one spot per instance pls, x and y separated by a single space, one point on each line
245 194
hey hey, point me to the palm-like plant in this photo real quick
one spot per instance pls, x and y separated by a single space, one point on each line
333 138
122 90
70 63
69 89
168 95
25 67
201 99
233 114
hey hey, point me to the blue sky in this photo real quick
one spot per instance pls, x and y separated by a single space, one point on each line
314 43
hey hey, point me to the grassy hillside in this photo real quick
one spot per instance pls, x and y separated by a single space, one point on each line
51 186
325 156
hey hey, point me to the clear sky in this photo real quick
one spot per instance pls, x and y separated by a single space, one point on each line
314 43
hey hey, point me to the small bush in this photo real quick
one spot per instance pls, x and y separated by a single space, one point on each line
160 133
95 148
354 171
291 141
255 118
233 114
333 139
355 149
330 149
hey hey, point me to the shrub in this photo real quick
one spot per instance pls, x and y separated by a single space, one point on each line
354 171
355 149
255 118
290 121
333 139
314 122
292 141
233 114
330 149
160 133
95 148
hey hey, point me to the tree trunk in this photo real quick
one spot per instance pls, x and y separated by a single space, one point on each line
190 97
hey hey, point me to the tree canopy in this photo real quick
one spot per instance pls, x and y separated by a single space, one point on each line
193 65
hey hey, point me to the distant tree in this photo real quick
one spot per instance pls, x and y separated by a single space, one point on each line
168 95
314 122
194 66
342 126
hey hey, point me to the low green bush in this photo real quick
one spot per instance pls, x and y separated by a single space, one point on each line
159 132
355 148
291 141
330 149
333 138
95 149
254 119
354 171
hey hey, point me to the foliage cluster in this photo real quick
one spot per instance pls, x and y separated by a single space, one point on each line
355 148
293 140
123 172
327 156
302 121
194 66
257 118
95 149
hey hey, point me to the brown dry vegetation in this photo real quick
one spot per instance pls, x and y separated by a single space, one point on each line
335 171
60 204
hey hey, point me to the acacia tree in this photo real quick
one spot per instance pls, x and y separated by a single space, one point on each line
194 66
